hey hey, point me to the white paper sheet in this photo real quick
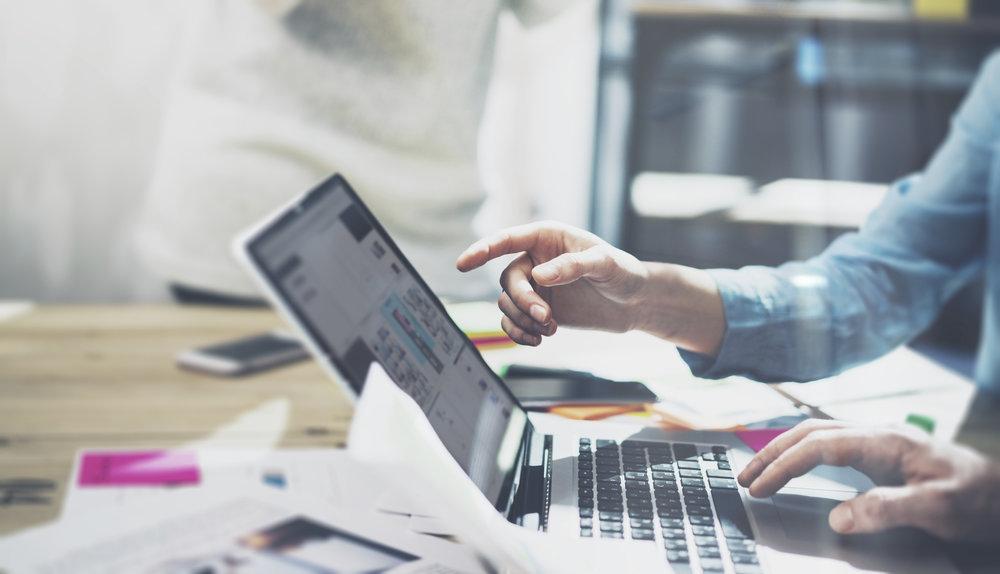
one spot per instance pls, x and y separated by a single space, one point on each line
391 433
191 532
900 373
326 475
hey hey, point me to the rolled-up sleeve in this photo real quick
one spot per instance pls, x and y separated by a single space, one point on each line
872 290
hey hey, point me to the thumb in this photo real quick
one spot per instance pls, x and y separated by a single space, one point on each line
594 263
878 509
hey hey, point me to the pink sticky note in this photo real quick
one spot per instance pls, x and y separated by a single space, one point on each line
139 468
758 438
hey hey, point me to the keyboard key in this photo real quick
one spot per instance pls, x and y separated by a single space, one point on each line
675 544
586 512
670 513
671 523
680 556
658 475
706 541
695 499
640 513
710 564
732 516
635 475
709 456
721 458
741 545
611 535
585 440
611 526
699 509
696 519
688 464
585 503
606 443
719 473
701 530
638 467
685 450
717 449
612 516
672 532
641 522
663 467
691 482
722 483
724 466
586 532
608 506
739 558
586 523
642 534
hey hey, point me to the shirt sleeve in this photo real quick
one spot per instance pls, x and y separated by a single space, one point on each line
873 290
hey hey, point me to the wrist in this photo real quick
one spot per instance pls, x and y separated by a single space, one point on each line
682 305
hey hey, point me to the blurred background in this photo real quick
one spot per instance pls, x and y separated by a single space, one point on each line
713 134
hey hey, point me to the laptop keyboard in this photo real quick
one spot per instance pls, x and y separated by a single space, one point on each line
678 495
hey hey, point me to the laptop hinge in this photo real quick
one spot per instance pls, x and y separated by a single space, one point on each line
530 507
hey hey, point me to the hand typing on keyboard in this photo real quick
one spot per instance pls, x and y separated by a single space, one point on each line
945 489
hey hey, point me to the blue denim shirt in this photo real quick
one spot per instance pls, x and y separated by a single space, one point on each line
873 290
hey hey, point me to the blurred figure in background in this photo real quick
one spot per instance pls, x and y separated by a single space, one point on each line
275 95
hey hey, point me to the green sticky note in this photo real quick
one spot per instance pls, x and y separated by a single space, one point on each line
921 421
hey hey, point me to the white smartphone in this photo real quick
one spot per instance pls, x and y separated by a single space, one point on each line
244 356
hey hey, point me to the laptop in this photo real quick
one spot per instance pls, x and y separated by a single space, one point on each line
336 275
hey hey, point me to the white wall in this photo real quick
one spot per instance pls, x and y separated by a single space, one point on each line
82 88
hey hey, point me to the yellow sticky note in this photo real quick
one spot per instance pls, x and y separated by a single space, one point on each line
941 9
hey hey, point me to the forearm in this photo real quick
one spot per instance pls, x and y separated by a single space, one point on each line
682 305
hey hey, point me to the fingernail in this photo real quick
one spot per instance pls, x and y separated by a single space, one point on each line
842 519
538 313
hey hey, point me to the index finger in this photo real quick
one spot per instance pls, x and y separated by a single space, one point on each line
840 447
783 442
511 240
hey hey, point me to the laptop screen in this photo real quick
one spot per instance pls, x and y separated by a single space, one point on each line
361 301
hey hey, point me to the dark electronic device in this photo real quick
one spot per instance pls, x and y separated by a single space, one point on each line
540 387
244 356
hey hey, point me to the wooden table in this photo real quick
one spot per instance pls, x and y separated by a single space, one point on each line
72 377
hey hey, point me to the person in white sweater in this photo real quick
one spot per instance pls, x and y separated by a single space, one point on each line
272 96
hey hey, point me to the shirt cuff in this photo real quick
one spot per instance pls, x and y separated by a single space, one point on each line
745 314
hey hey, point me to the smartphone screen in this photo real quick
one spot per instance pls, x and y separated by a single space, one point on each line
244 356
252 348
